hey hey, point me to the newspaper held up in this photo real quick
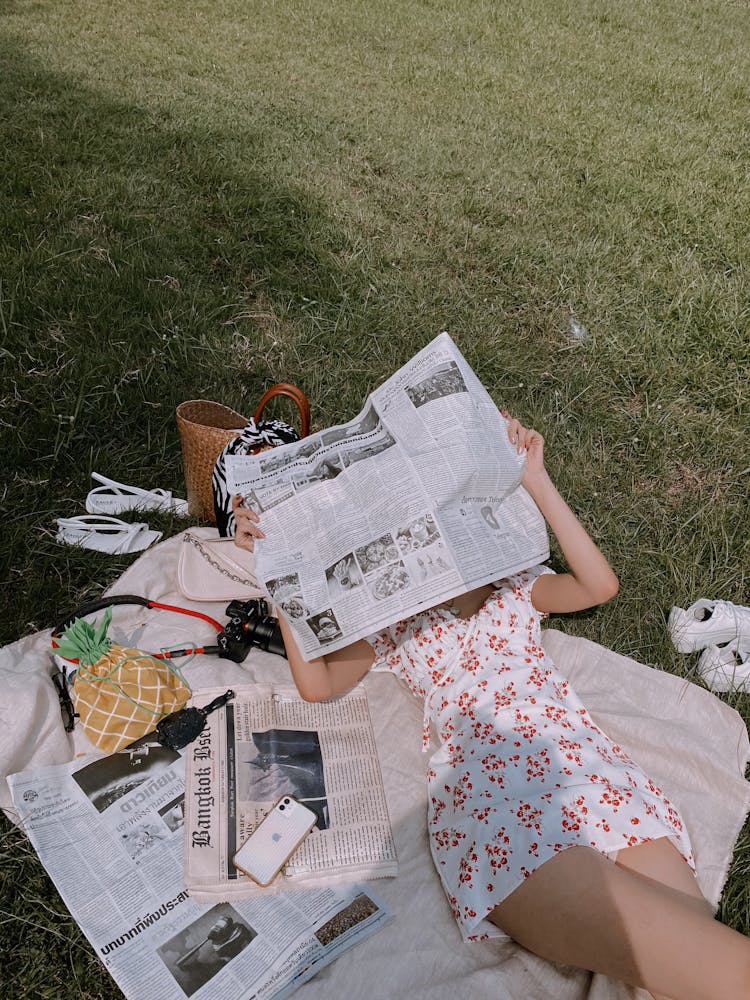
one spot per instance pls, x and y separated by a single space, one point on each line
415 500
109 830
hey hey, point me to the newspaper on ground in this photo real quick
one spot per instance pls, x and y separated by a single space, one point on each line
415 500
109 831
268 743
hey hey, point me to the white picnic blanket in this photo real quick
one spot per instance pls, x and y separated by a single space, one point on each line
692 744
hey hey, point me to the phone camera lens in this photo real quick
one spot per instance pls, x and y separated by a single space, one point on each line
286 802
281 808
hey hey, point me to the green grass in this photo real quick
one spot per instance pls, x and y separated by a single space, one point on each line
199 200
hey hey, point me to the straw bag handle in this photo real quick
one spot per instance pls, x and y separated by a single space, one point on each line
296 395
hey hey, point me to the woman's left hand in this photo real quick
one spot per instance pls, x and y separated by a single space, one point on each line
248 525
530 441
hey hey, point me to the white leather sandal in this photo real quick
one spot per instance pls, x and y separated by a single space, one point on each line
105 534
708 623
114 498
726 668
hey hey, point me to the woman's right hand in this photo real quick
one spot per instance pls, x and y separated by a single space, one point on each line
248 525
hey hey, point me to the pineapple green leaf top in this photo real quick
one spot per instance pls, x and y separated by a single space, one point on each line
85 642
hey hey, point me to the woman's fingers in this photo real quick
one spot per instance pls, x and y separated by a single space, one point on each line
248 525
522 437
516 433
240 511
243 540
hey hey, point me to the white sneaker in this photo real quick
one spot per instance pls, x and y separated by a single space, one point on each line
726 668
708 623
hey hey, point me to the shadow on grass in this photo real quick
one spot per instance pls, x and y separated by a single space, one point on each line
145 263
142 263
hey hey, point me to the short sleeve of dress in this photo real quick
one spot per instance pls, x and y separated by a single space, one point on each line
386 645
523 582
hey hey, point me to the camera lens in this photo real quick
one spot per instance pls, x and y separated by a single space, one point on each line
286 802
281 808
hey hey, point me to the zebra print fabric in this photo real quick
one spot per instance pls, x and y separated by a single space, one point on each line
254 437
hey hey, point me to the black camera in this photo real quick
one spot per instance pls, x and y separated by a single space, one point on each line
249 625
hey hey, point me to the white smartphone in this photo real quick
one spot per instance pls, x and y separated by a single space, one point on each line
274 840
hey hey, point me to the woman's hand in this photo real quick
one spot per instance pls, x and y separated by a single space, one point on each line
590 580
248 525
530 441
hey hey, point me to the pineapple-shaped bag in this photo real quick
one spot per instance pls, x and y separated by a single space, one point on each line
120 694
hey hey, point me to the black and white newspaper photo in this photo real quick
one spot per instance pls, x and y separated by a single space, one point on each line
110 829
268 743
415 500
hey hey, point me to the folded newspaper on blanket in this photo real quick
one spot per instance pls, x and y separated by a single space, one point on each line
414 501
267 743
110 830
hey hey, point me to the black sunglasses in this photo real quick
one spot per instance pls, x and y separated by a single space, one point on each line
69 714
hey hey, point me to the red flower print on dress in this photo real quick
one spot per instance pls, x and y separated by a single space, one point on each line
465 872
499 854
471 663
537 675
611 795
466 703
462 791
492 766
438 806
570 821
497 643
447 838
524 726
557 715
529 816
482 815
537 766
673 816
654 789
519 752
505 697
485 732
561 689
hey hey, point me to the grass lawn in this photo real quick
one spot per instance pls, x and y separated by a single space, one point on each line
201 199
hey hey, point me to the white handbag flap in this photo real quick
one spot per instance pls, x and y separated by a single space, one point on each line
212 568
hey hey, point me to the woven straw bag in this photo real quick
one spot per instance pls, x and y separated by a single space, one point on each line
206 428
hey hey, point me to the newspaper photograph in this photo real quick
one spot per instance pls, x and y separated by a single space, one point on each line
110 831
414 501
267 743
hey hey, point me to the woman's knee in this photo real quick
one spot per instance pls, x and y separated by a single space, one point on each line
581 909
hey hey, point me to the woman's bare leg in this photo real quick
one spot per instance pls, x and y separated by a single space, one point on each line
618 919
661 861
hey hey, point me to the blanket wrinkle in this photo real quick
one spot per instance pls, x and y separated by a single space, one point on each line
689 742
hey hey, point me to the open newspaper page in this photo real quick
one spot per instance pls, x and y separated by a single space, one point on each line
268 743
109 830
414 501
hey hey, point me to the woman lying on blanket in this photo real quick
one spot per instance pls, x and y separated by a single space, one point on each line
539 824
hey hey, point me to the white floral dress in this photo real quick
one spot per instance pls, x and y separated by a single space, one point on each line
522 771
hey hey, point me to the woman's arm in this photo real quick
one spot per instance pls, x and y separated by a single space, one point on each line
591 579
325 676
